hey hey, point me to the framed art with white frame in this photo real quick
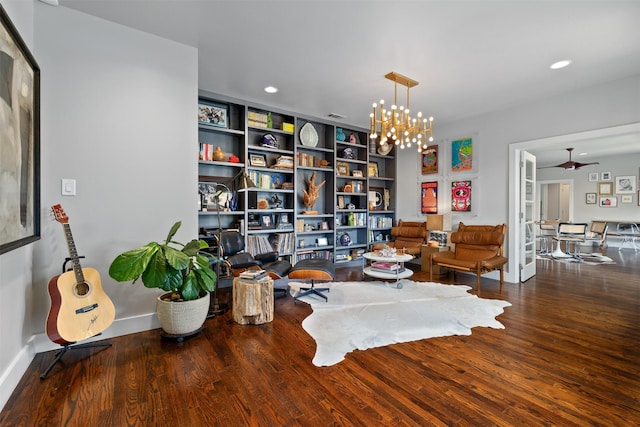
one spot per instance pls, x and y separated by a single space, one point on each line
605 176
625 184
608 202
593 176
591 198
626 199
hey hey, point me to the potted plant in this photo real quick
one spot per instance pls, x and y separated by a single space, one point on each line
181 270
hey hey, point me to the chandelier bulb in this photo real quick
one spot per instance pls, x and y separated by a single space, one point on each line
431 139
430 119
419 114
381 102
394 107
375 105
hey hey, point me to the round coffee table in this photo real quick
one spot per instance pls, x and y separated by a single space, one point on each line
397 260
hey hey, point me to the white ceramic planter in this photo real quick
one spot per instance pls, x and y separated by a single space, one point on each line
182 317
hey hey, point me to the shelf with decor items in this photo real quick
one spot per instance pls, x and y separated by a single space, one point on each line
381 174
314 150
221 159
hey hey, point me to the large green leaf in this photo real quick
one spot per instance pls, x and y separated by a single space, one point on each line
192 248
176 259
190 289
155 275
130 265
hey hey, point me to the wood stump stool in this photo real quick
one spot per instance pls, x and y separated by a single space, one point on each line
252 301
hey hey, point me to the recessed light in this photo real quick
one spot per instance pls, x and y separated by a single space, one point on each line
583 154
271 89
560 64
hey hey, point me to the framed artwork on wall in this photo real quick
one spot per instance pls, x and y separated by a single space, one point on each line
430 160
462 155
626 199
608 202
20 145
605 176
593 176
591 198
625 184
461 196
429 197
605 188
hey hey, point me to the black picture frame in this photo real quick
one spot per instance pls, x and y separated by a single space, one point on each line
20 218
266 222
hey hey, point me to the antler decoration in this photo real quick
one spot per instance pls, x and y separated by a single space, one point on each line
312 195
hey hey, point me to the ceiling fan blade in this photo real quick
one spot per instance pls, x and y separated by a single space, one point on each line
579 165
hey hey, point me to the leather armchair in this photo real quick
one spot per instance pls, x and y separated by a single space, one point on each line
408 236
478 249
237 260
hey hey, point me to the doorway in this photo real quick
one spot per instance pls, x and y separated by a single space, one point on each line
555 201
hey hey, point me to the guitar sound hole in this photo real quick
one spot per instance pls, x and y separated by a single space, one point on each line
82 289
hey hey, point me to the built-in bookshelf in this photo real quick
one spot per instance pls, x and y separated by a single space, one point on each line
283 153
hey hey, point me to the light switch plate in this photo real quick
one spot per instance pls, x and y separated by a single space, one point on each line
68 187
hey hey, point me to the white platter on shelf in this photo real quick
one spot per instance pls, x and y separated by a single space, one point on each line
308 135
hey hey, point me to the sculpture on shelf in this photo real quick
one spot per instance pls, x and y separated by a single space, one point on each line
312 194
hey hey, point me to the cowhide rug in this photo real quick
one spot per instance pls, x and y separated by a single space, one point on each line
363 315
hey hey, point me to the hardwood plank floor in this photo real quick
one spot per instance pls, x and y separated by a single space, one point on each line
569 356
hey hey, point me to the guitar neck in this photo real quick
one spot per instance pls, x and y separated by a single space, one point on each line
75 260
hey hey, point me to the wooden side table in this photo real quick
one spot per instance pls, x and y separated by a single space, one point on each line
252 301
425 258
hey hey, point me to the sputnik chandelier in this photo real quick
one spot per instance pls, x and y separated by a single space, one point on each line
396 126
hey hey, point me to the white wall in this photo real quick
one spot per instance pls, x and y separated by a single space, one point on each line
611 104
118 109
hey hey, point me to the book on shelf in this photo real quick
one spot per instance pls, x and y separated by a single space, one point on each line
391 267
384 270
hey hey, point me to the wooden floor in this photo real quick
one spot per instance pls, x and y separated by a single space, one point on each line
569 356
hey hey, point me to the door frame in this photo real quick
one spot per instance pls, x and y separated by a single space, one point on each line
512 274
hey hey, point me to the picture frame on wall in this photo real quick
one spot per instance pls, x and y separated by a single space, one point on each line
429 197
593 176
608 202
591 198
462 155
461 196
625 184
429 163
605 176
213 114
20 159
626 199
605 188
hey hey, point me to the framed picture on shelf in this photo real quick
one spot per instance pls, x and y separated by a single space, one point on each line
429 197
20 142
462 155
591 198
266 222
605 188
340 202
257 160
625 184
357 173
605 176
324 225
373 169
322 241
608 202
213 114
430 160
593 177
626 199
277 180
342 169
376 198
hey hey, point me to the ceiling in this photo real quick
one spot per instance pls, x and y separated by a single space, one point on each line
470 57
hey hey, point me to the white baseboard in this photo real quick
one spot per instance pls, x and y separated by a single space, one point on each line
39 343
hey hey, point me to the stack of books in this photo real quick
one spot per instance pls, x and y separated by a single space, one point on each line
387 267
254 276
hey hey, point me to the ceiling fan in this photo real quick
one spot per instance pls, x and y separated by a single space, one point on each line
570 165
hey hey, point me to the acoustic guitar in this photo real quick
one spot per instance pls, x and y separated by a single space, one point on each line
80 308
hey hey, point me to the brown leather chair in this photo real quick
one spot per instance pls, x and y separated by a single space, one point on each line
478 249
408 236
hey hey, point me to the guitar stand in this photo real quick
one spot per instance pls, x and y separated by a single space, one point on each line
67 347
71 346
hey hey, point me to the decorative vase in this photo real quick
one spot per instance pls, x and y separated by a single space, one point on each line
340 136
218 155
182 317
233 202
